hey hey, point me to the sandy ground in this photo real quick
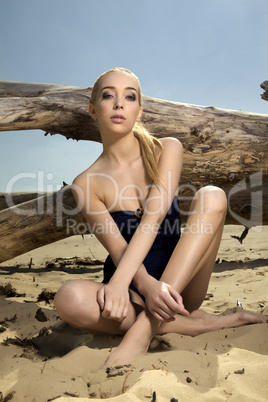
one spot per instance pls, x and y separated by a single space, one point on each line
43 359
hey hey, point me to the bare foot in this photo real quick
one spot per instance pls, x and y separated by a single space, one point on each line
208 322
127 352
200 322
135 342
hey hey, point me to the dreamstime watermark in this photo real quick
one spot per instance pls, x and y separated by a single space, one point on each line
249 213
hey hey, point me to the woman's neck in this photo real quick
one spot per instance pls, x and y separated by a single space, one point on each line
122 151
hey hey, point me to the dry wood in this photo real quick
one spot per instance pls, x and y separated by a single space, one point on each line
264 86
53 217
222 147
35 223
8 200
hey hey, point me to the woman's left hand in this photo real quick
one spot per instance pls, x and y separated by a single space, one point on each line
113 300
163 301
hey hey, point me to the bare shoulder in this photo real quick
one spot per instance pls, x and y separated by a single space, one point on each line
90 172
170 142
171 146
89 184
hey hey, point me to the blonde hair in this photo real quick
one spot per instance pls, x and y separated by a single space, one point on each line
146 140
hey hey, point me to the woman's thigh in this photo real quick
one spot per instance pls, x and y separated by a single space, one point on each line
76 303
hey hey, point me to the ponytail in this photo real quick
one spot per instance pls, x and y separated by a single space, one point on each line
147 144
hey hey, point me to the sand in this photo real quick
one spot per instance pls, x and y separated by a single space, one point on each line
44 359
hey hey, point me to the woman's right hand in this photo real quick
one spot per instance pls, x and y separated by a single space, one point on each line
163 301
113 299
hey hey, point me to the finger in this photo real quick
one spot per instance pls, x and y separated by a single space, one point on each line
165 310
100 297
162 315
107 309
125 310
179 306
170 307
114 309
157 316
175 295
117 313
168 304
106 314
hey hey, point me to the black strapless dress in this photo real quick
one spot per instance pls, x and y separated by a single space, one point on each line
167 237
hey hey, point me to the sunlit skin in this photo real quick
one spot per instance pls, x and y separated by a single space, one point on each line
121 90
172 304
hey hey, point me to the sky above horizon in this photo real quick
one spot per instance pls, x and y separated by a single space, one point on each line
202 52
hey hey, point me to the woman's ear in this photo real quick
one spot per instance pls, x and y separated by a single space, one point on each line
92 111
139 114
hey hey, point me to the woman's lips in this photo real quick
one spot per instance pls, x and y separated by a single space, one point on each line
118 118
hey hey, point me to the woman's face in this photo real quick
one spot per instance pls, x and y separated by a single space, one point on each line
117 105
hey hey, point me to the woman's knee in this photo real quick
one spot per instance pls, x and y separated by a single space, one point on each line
74 301
65 293
66 298
211 199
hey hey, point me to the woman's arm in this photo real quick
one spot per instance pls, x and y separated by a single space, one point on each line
157 205
85 192
162 300
113 298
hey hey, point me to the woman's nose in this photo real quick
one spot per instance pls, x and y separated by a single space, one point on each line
118 104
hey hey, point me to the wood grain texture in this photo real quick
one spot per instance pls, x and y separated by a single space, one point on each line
221 147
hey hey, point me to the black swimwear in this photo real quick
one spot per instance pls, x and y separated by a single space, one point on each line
162 248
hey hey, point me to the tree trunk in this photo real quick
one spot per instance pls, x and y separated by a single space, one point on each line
7 200
221 147
53 217
264 86
36 223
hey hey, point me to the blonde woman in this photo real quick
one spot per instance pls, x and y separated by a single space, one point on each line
155 278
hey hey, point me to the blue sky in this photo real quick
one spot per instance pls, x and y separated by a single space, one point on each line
204 52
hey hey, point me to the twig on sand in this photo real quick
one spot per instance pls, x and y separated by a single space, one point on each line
123 389
243 235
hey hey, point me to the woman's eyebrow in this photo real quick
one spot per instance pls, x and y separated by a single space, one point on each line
127 88
131 88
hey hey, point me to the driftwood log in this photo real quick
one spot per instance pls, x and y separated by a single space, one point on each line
222 147
34 223
264 86
55 216
18 198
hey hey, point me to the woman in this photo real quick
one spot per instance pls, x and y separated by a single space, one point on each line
155 279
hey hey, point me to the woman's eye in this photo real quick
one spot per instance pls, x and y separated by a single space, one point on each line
131 97
106 95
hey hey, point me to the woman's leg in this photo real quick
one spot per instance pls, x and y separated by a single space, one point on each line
76 303
193 259
137 339
188 271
